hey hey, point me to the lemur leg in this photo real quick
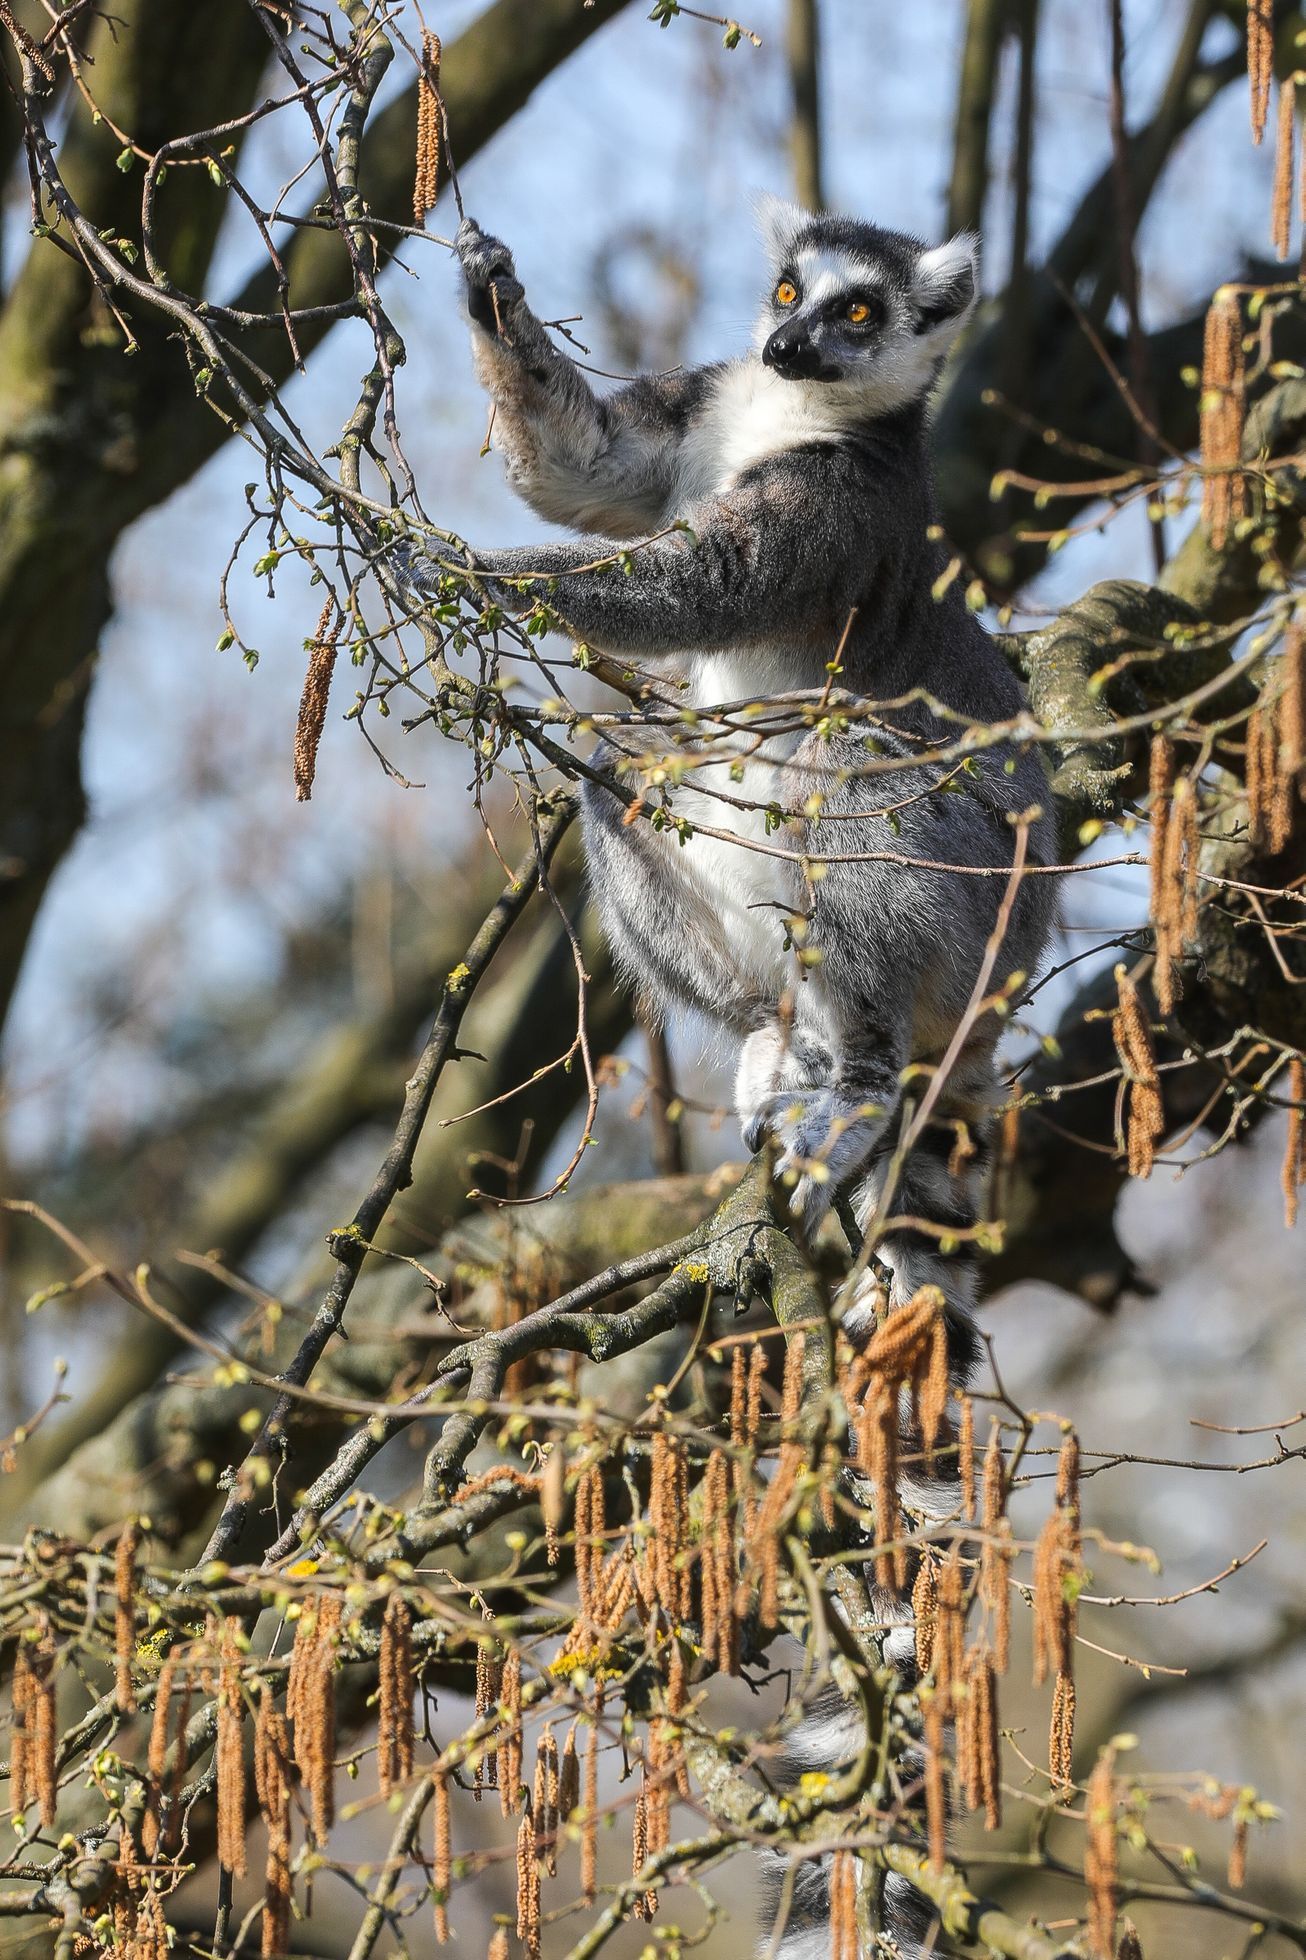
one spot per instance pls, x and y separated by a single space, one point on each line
830 1104
664 935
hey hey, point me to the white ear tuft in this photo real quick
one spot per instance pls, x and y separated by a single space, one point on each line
946 284
779 220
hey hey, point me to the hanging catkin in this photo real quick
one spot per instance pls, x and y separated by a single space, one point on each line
1173 864
1260 61
1224 488
442 1862
426 175
1145 1120
1294 1156
230 1755
313 700
395 1701
1281 212
124 1618
1101 1872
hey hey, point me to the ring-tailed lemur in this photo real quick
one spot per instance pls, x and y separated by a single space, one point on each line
841 949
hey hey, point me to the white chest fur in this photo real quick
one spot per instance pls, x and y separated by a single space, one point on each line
750 415
741 874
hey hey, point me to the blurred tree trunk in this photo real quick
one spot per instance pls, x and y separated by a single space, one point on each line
968 186
804 41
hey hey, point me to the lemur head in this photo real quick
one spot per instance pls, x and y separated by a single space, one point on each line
869 312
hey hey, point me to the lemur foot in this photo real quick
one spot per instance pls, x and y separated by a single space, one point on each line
777 1065
824 1140
487 263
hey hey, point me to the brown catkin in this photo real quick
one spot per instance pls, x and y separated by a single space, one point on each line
646 1903
1000 1557
1145 1121
990 1744
1061 1735
395 1700
667 1525
924 1609
966 1754
877 1453
936 1808
966 1454
25 43
499 1944
230 1754
1260 61
1269 789
1281 208
1068 1474
1294 1156
590 1530
589 1836
931 1380
35 1729
1182 847
544 1800
1130 1947
996 1553
717 1567
489 1682
426 175
658 1787
156 1761
677 1698
1101 1869
1224 488
124 1616
1175 844
745 1416
528 1888
442 1860
569 1776
157 1758
1238 1855
553 1492
844 1943
272 1782
313 700
311 1706
21 1726
1056 1558
791 1395
948 1658
510 1737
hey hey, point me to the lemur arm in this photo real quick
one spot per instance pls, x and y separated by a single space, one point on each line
766 561
597 464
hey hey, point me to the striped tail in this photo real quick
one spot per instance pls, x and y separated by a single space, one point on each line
932 1212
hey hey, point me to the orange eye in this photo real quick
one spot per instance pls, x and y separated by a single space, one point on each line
786 292
859 312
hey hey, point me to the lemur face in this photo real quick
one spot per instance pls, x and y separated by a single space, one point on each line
850 304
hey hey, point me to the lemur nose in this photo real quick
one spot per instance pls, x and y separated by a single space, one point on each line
783 348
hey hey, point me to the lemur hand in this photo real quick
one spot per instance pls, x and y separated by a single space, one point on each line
486 262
